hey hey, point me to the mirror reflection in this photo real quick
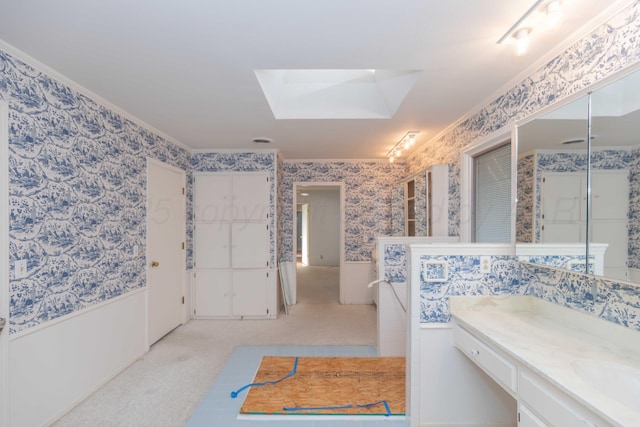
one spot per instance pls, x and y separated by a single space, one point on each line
615 180
552 177
420 204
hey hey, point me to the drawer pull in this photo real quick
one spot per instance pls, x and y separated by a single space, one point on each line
474 352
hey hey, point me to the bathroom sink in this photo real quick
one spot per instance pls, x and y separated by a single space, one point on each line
616 381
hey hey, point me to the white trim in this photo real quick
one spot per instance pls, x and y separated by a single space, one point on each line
338 160
233 150
29 60
341 187
70 316
467 154
462 249
166 166
4 262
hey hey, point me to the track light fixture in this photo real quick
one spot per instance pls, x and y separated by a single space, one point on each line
405 143
543 14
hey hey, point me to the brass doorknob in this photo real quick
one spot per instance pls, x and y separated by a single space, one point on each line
154 263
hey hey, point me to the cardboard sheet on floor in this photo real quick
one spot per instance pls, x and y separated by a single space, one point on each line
329 383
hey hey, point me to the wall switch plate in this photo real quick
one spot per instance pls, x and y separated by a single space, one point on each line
20 269
485 264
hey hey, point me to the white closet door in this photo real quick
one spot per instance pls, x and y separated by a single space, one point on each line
212 293
250 197
212 198
212 245
561 196
249 245
610 194
250 293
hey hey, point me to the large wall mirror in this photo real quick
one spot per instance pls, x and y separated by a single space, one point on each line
579 186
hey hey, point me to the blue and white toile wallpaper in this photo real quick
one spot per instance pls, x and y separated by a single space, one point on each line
465 278
242 161
367 200
525 208
607 50
618 302
397 210
77 196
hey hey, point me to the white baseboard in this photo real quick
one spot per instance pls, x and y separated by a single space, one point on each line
467 425
56 367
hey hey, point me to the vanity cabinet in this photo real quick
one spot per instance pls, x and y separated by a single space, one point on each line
231 245
540 403
496 366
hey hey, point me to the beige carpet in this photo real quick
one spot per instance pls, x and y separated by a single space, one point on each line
317 284
164 387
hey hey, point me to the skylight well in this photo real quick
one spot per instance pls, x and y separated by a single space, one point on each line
336 94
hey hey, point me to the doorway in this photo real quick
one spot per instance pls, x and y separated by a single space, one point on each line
319 244
4 263
166 224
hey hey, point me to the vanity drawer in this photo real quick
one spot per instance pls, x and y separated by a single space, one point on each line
554 406
499 368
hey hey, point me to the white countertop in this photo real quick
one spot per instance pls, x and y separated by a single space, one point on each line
588 358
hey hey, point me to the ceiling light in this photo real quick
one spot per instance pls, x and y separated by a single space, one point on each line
521 46
405 142
542 14
554 14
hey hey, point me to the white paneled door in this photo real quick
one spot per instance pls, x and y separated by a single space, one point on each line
165 247
4 264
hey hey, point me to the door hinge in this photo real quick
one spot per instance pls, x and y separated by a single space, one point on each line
543 228
542 216
267 311
183 191
518 416
183 300
183 245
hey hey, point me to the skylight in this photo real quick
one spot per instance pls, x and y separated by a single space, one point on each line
336 94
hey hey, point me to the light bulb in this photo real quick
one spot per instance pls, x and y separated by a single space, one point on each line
391 159
521 41
398 152
554 15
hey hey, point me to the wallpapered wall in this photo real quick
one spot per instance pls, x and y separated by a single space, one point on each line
235 161
614 301
606 50
367 201
77 195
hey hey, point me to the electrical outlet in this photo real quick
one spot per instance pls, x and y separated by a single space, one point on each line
485 264
20 269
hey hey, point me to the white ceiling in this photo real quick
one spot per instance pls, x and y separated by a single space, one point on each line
187 68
